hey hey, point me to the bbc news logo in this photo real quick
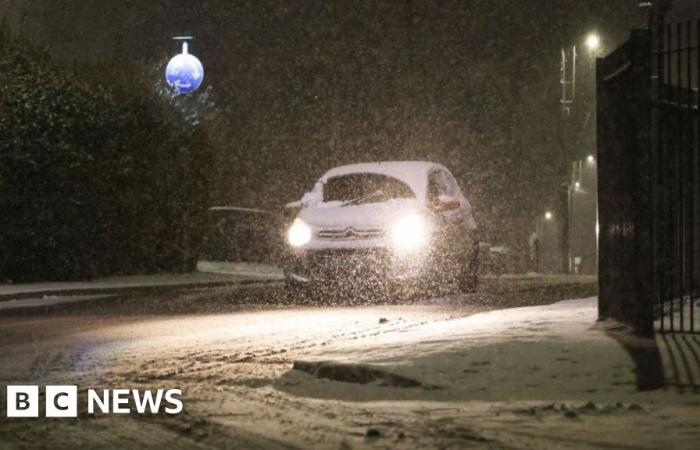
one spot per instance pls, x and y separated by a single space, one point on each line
62 401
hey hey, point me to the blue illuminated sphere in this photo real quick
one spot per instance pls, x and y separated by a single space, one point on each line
184 73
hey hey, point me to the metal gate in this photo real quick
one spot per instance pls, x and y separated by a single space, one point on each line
649 180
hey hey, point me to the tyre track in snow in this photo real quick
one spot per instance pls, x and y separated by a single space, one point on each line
278 349
238 370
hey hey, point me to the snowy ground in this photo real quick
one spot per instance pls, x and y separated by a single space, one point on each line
439 373
681 315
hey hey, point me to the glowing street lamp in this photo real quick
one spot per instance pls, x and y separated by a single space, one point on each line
592 42
569 59
184 72
548 215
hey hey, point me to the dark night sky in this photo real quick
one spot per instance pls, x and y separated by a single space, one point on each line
305 85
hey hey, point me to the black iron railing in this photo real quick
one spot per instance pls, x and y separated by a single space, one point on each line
649 179
675 112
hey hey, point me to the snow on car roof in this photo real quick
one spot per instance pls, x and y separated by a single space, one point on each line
413 173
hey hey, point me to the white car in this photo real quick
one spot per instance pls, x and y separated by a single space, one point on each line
382 224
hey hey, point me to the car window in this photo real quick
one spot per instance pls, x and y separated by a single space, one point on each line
452 185
358 185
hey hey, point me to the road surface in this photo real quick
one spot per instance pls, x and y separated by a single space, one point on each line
221 346
232 352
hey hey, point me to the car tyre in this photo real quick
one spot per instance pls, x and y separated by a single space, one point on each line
468 282
468 278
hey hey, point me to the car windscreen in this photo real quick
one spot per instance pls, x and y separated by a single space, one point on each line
358 185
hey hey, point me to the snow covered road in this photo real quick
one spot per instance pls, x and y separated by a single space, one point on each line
439 373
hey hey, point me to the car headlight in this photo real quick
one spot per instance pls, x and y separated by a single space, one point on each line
299 234
409 233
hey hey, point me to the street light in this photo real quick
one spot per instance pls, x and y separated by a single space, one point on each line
548 215
590 159
592 42
569 58
184 73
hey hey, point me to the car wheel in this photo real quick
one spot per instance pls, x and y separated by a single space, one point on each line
468 282
468 278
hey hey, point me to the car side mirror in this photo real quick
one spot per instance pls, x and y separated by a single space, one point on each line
307 199
446 203
310 198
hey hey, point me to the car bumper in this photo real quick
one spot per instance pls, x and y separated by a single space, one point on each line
353 265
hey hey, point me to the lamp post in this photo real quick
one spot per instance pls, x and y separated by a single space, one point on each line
569 58
536 239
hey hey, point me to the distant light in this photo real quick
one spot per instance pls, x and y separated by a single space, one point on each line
593 42
590 159
577 185
548 215
184 72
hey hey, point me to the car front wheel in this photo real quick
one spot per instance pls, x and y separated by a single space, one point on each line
297 292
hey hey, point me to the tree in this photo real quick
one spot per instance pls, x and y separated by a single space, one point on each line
94 180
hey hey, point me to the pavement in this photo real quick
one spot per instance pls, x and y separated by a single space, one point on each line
209 274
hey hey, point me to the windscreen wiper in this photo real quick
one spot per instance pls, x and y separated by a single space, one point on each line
364 198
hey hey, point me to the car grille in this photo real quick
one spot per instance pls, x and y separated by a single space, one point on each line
350 234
